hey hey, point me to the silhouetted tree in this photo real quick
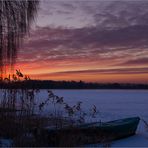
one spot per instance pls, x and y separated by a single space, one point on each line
15 19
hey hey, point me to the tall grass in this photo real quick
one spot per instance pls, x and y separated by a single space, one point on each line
20 121
17 107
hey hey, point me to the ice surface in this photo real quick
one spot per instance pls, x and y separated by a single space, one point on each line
113 104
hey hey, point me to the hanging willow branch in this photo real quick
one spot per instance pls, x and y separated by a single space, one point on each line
15 19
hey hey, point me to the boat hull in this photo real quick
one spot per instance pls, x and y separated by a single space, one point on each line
91 133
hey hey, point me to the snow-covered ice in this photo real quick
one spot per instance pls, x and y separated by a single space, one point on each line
113 104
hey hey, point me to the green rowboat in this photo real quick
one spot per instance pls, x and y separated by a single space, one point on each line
96 132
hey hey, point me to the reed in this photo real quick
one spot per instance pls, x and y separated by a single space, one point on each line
22 119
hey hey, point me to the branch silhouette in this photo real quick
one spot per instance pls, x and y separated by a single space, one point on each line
15 19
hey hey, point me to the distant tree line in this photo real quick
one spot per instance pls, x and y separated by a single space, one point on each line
48 84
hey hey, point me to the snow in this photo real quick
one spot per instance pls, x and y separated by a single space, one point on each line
5 142
112 104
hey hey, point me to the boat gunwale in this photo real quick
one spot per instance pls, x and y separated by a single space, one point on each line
115 123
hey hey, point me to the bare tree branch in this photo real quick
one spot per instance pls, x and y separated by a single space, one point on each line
15 19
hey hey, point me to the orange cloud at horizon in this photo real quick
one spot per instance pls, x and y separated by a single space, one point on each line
102 75
101 78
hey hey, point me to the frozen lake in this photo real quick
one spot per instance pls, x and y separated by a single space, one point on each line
113 104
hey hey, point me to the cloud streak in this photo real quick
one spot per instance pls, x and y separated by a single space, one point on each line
103 71
63 43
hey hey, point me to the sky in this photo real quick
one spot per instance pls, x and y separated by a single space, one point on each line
93 41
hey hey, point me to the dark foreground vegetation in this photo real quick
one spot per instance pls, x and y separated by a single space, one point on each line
25 123
22 118
48 84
